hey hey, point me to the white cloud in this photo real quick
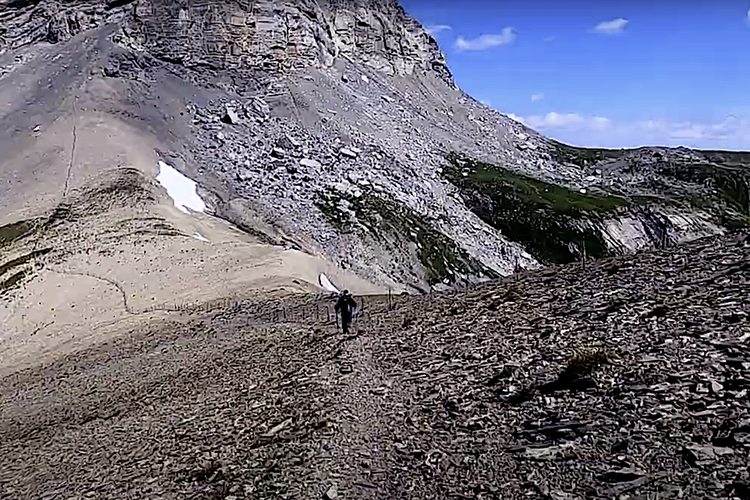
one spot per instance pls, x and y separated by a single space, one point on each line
549 39
748 16
484 42
537 97
437 28
599 123
688 132
611 27
568 121
731 132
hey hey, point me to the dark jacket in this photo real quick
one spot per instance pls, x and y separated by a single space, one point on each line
346 305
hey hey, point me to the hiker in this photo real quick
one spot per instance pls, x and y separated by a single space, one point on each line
346 305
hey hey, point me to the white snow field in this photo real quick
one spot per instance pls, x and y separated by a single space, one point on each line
181 189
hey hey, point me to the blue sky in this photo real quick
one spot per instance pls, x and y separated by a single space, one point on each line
606 73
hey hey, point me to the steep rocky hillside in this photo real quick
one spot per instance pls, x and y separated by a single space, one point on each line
628 201
628 378
175 178
335 127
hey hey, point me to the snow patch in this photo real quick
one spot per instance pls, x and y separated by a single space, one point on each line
326 283
198 236
181 189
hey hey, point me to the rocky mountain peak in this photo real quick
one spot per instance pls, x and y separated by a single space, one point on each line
269 34
335 127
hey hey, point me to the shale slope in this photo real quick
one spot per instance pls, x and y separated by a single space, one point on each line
626 379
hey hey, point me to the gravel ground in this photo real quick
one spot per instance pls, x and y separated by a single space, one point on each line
623 379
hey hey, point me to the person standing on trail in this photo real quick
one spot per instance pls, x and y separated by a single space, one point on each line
346 305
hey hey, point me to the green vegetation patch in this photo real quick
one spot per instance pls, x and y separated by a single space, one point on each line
119 188
15 276
13 281
730 182
62 213
336 212
586 362
728 158
733 220
17 230
391 223
552 222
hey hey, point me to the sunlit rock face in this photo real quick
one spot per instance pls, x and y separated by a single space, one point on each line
288 33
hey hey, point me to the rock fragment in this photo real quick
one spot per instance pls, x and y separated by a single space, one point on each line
332 493
347 152
310 163
231 116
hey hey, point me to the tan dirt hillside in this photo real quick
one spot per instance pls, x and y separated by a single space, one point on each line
90 242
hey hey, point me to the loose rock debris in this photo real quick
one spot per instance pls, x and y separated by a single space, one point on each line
571 387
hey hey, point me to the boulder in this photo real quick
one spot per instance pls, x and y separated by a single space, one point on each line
231 116
307 162
347 152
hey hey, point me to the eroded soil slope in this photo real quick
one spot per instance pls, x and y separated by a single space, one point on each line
626 379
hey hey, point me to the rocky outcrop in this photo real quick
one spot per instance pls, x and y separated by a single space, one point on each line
266 33
286 34
25 22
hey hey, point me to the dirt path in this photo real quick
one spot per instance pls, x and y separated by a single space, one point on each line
218 390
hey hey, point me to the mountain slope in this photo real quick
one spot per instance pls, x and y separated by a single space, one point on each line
408 119
153 350
90 242
316 120
324 137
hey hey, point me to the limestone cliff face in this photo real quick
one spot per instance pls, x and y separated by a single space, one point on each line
244 33
288 33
